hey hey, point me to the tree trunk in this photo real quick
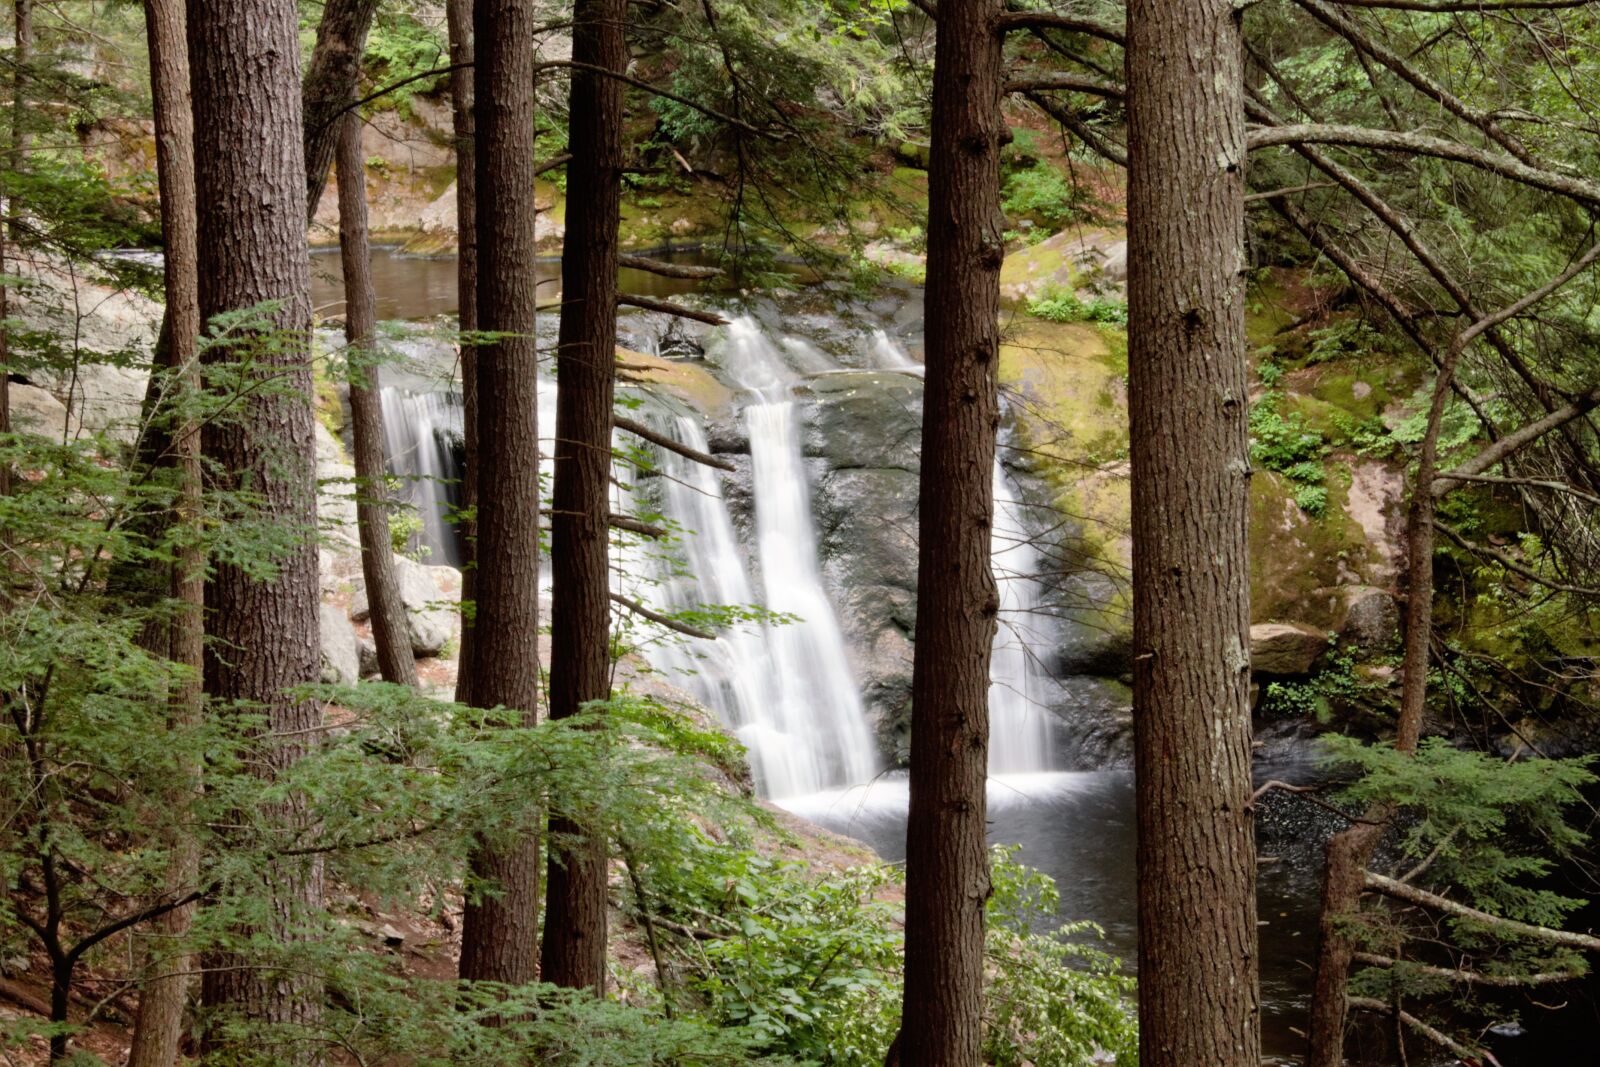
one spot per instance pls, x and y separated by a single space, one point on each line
574 951
1350 853
947 863
499 935
366 414
1199 1000
22 35
458 17
159 1026
330 86
263 640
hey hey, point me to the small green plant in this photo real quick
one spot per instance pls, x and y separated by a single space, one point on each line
1057 304
1286 444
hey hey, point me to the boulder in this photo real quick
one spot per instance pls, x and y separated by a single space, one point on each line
341 663
430 611
866 418
1370 620
35 411
1285 648
367 651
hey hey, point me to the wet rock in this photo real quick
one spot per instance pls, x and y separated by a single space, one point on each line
336 490
1285 649
341 661
430 610
867 418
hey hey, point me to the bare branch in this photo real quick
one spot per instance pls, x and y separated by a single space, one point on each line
667 307
669 270
1071 83
1511 563
1050 20
1581 190
638 526
1438 1037
1465 977
1519 439
1422 898
661 440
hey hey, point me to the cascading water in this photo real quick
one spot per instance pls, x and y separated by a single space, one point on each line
421 431
1020 740
1019 724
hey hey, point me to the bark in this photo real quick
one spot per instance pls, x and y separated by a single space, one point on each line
574 951
499 937
1199 1000
250 185
458 20
947 864
330 85
22 36
159 1026
366 414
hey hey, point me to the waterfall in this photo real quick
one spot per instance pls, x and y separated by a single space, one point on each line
1020 740
1019 724
785 690
421 444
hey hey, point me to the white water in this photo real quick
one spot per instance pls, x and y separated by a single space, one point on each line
418 426
787 690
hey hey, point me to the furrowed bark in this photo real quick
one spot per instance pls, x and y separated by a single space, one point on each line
330 85
947 865
574 950
499 936
1188 400
262 635
389 631
159 1026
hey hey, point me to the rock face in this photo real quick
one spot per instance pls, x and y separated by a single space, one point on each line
341 661
430 610
1285 649
37 412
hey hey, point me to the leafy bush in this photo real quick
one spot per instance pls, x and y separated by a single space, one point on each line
1042 193
811 964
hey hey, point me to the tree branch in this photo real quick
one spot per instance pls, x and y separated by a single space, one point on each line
1050 20
1585 192
1438 1037
1518 439
667 307
1422 898
662 620
1465 977
661 440
1510 563
669 270
1071 83
638 526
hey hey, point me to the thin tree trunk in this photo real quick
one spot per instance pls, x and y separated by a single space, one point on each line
499 936
263 635
947 863
159 1026
458 17
22 35
574 951
330 86
366 414
1199 1001
1350 852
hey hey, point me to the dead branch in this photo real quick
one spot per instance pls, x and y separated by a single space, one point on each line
661 440
667 307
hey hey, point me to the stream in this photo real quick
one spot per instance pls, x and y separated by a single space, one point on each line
796 693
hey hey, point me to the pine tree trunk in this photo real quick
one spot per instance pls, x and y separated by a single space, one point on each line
500 933
159 1026
366 414
1199 1001
947 863
330 85
574 951
262 635
458 19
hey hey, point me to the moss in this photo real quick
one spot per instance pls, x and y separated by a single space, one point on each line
1294 556
691 383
